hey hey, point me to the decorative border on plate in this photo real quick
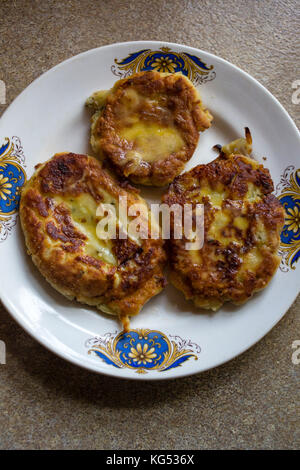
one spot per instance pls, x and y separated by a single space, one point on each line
12 178
164 60
288 193
143 350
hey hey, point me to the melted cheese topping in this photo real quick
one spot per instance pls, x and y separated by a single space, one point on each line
241 223
150 140
83 212
215 196
195 256
251 263
220 222
254 193
85 218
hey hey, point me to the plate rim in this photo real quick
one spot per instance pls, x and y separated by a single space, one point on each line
13 311
107 46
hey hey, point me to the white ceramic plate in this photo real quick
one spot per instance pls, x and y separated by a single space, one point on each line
49 117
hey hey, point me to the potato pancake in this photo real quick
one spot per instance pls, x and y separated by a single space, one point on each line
242 225
58 212
148 126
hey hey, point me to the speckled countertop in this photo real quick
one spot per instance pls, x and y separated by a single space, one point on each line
251 402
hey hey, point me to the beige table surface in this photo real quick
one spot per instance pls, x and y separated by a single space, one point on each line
251 402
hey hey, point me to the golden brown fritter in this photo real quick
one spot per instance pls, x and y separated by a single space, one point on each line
242 225
58 217
148 126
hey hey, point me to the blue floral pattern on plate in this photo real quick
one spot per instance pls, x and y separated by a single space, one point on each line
12 178
143 350
288 193
165 61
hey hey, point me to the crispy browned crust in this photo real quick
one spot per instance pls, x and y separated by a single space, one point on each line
222 273
179 104
57 247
